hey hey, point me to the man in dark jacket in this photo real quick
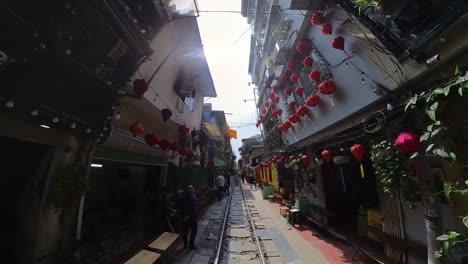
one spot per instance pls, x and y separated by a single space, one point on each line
190 217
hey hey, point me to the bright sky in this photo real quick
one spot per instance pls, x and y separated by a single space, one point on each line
227 48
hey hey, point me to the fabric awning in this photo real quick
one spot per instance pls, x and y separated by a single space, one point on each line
212 132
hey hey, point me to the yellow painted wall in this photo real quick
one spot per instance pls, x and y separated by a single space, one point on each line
274 176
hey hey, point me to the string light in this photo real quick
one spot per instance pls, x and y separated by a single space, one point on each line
88 131
117 116
34 112
73 125
55 120
67 52
9 104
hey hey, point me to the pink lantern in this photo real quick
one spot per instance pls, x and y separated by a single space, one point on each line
408 142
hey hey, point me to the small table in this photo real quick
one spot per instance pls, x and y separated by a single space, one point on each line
293 216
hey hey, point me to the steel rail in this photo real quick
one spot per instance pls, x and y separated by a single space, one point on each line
223 228
257 241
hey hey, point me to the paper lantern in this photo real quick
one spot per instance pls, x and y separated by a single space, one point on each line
139 87
338 43
315 76
302 47
287 125
272 104
274 114
279 112
327 29
136 128
292 104
316 19
283 158
281 128
264 111
327 87
313 101
305 159
408 142
275 88
295 78
302 111
291 158
290 65
308 61
183 129
294 118
166 114
277 99
359 152
174 146
299 91
267 104
271 95
327 155
151 139
288 91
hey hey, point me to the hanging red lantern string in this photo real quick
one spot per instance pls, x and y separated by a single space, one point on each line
313 101
288 91
302 111
308 61
316 19
267 103
299 91
275 89
295 78
274 114
305 160
281 127
291 158
315 76
287 125
271 95
292 104
359 152
264 111
302 47
327 155
327 29
279 112
290 65
327 87
136 128
277 99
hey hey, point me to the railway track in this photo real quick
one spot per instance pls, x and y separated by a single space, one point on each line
239 240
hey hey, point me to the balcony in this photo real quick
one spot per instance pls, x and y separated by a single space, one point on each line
405 27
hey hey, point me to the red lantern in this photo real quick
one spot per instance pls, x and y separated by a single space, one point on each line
295 78
273 104
274 114
174 146
327 155
290 65
163 144
276 100
292 104
288 91
299 91
315 76
408 142
327 87
283 158
338 43
139 87
302 47
275 88
359 152
287 125
267 104
308 61
264 111
294 118
279 112
305 160
327 29
302 111
281 128
275 158
313 100
291 158
151 139
136 128
316 19
271 96
285 76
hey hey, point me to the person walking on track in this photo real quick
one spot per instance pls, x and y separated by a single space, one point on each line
220 182
190 218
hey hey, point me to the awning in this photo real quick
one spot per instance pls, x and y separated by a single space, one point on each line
212 132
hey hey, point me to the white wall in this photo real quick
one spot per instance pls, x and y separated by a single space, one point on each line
181 35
